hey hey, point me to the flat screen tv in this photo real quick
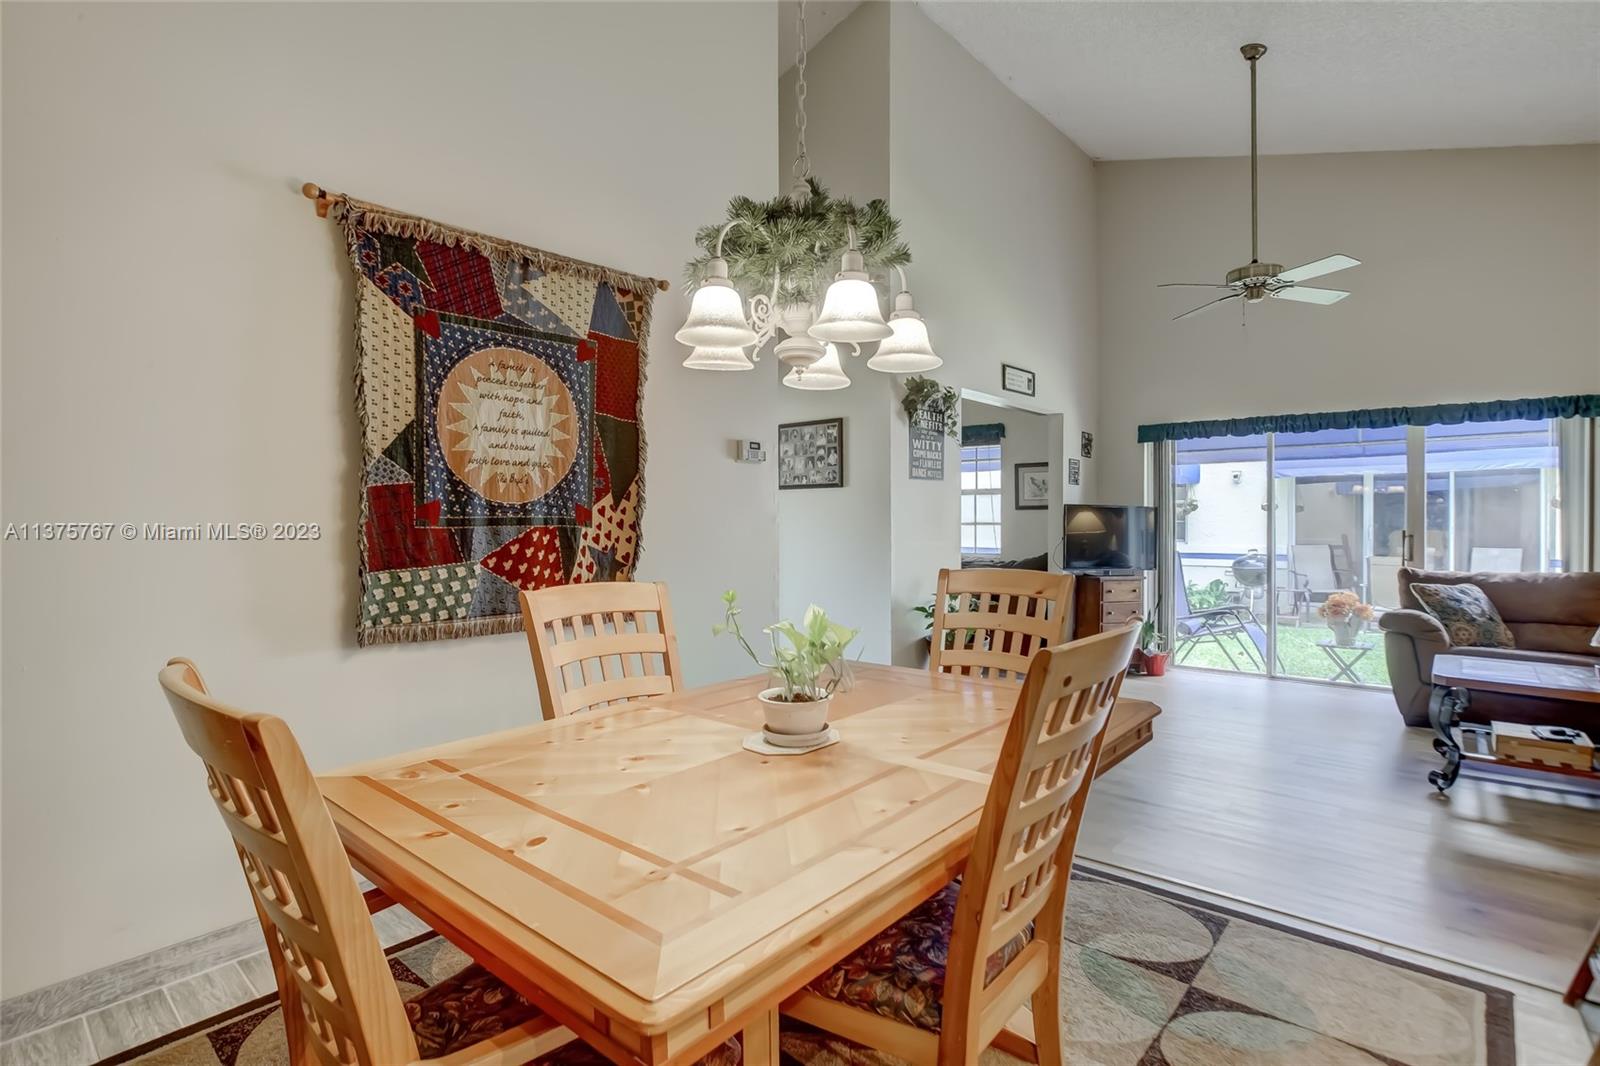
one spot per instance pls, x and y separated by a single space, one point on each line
1098 537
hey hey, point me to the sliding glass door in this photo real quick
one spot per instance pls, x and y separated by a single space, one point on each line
1285 548
1339 500
1494 494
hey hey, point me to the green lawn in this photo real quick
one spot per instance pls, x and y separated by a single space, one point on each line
1300 656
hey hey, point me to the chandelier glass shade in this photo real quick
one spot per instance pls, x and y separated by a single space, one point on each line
824 375
716 317
718 359
906 350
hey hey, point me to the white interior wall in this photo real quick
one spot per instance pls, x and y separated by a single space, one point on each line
177 328
1479 274
1022 533
999 209
831 547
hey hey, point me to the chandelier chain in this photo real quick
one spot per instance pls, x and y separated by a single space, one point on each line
802 162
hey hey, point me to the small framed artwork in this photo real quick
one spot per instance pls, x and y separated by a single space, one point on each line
811 454
1086 444
1032 488
1016 379
1074 471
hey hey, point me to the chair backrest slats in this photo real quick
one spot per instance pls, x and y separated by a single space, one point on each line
991 622
600 643
1022 856
340 1005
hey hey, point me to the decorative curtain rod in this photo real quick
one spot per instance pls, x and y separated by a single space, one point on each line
325 201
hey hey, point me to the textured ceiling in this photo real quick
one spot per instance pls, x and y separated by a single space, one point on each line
1147 80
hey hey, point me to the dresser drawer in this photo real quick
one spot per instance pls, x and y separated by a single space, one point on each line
1121 589
1120 614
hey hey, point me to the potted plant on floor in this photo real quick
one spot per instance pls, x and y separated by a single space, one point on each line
1150 659
1346 616
808 666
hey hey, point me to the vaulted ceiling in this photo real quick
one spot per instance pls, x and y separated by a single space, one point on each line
1134 80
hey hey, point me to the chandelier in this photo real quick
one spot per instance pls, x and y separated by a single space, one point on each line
803 265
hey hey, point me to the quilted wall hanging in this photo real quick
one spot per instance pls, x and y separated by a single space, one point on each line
498 389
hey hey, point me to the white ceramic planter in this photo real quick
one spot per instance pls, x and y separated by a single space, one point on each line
793 718
1346 629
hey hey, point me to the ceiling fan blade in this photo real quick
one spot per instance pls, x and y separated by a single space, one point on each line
1191 285
1311 296
1319 268
1213 303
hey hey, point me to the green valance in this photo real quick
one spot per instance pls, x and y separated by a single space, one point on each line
1448 414
987 433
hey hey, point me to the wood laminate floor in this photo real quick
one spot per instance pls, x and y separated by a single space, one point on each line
1313 801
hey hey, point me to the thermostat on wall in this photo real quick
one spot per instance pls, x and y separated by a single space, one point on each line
749 451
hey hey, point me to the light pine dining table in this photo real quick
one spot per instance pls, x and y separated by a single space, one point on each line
638 875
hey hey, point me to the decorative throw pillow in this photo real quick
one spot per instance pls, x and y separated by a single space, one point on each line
1466 614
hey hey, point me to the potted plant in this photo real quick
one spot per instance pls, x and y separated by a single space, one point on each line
1151 658
808 667
925 394
1346 615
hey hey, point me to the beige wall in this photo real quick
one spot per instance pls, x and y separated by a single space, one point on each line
831 547
999 208
177 348
1479 281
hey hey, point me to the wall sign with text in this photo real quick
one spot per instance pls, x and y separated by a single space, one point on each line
1016 379
927 445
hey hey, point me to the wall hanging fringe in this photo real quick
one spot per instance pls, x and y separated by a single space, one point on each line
340 207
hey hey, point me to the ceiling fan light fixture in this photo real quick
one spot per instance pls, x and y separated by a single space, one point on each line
1257 280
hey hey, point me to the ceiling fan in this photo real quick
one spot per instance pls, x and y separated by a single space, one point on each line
1259 280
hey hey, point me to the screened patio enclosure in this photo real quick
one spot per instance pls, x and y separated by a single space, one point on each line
1275 538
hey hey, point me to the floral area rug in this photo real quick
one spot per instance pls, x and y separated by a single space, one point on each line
1149 978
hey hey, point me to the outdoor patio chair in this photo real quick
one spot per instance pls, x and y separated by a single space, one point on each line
1232 628
1315 574
1495 560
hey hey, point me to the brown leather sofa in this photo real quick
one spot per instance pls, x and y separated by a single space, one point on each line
1552 618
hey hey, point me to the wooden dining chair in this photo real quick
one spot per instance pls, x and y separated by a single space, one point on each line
990 622
600 643
940 985
340 1003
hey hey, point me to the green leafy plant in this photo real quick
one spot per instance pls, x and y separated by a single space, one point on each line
1149 636
1204 597
812 649
926 394
929 610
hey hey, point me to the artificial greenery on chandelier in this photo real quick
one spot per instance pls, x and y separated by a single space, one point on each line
798 239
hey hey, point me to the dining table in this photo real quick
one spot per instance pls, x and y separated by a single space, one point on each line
636 873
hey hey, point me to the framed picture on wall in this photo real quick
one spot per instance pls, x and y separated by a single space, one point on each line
1032 488
1016 379
1074 471
1086 444
811 454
